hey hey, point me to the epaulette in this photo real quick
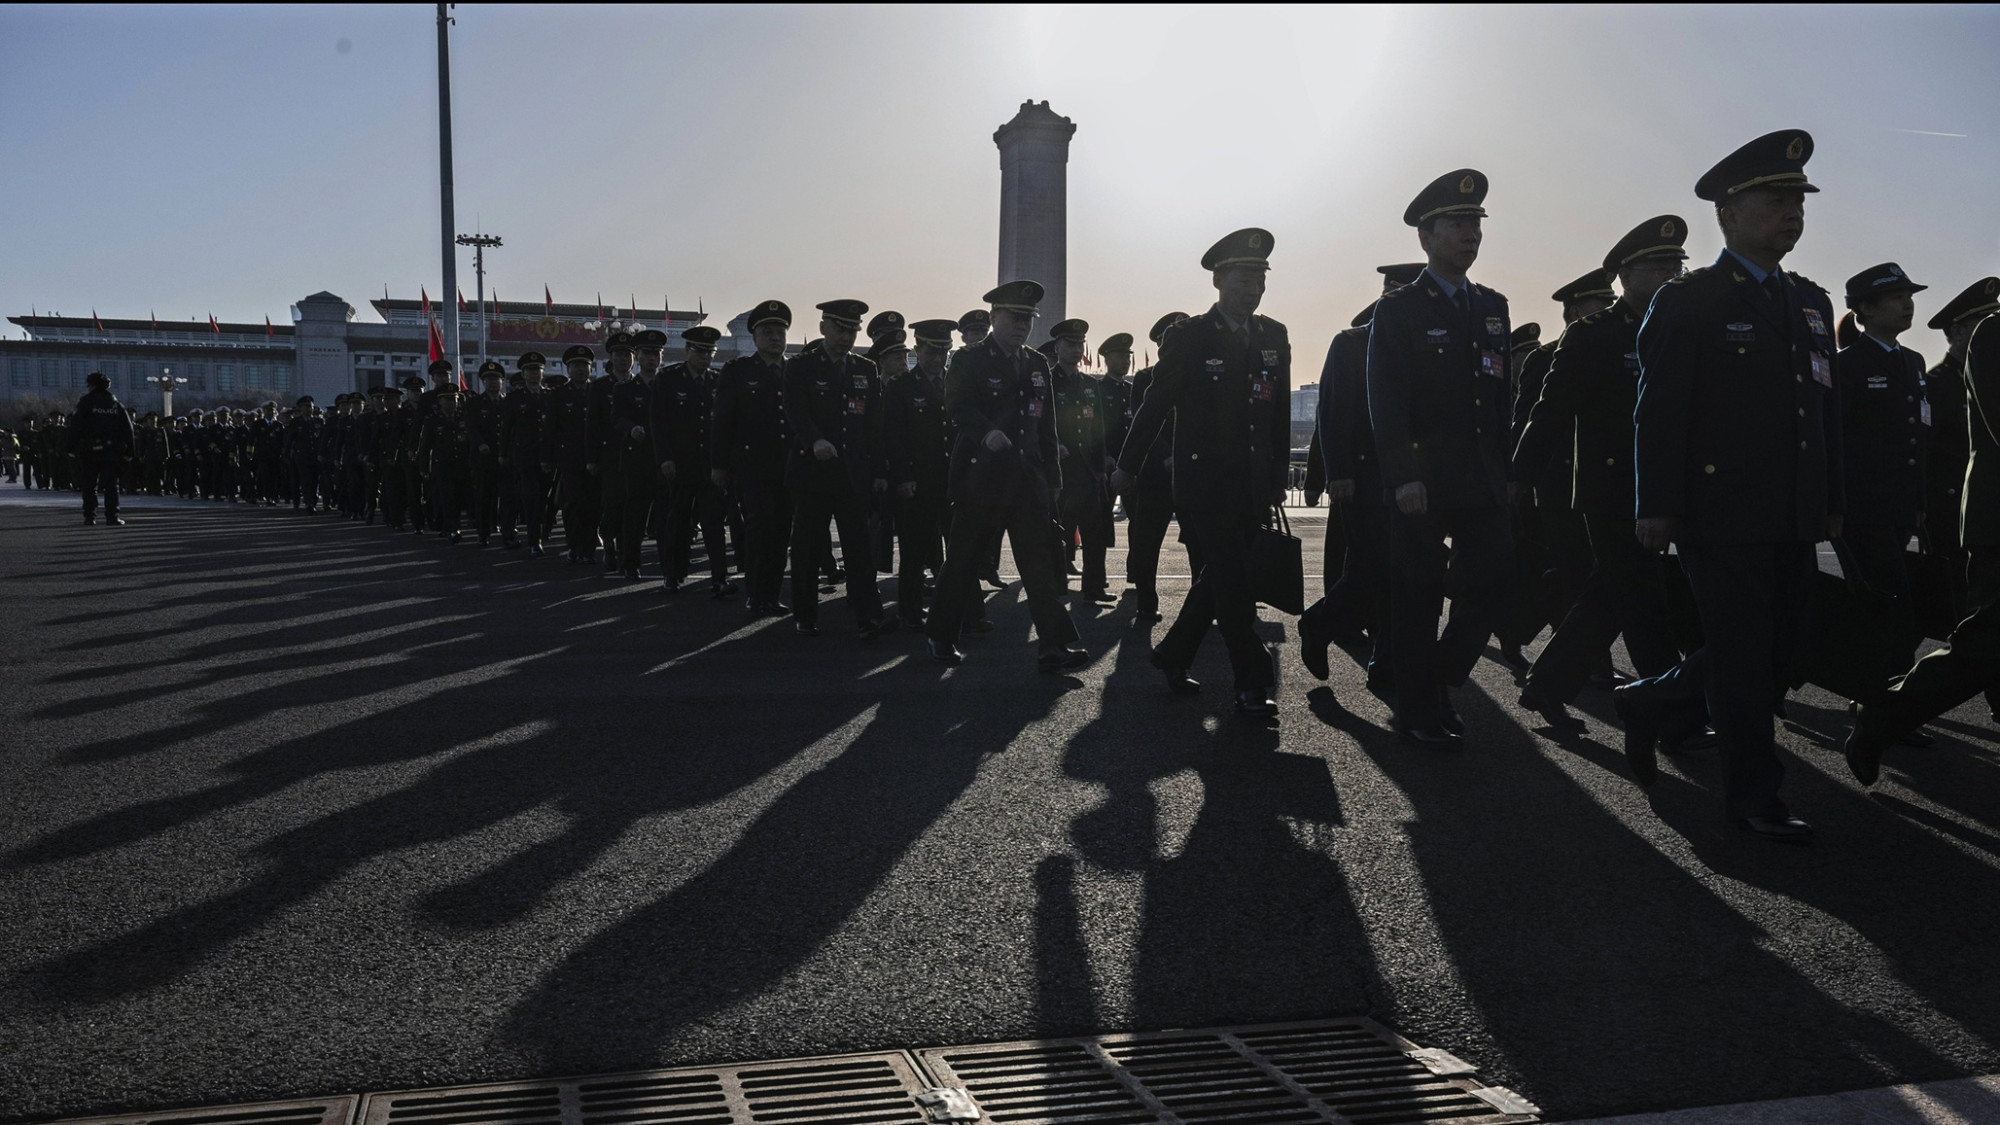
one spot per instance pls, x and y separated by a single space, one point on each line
1597 317
1808 282
1691 275
1494 293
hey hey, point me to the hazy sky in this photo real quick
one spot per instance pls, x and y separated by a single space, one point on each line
235 159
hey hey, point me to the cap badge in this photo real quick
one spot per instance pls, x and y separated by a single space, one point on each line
1992 286
1667 229
1256 242
1465 186
1894 272
1796 149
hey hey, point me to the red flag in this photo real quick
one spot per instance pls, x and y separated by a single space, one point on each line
437 343
600 306
93 319
427 301
268 331
548 302
462 306
213 325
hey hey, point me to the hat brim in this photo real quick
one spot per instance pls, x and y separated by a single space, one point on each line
1454 209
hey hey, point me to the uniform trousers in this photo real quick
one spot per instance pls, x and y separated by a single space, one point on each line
531 486
1626 592
305 478
920 525
448 486
627 501
1481 559
975 538
578 490
1221 596
99 474
1969 663
1876 555
1148 510
693 503
1085 518
488 496
1359 597
849 512
767 528
1753 599
1982 576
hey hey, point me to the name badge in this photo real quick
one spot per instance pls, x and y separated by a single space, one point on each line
1822 370
1924 411
1036 380
1260 391
1492 363
857 406
1270 357
1815 322
860 382
1034 408
1496 326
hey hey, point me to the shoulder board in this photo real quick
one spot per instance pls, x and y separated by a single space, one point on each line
1601 316
1809 283
1494 293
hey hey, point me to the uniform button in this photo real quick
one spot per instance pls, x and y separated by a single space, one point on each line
1476 402
1802 445
1913 461
1194 456
1708 469
1913 441
1802 411
1912 421
1611 460
1909 398
1739 351
1795 378
1477 430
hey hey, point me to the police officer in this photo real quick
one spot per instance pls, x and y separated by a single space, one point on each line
1585 405
1148 494
916 431
1737 455
100 438
1438 402
683 407
1004 477
1883 418
1224 386
835 465
1080 445
1359 597
568 447
526 451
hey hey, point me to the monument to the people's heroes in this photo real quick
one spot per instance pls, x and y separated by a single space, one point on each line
1034 194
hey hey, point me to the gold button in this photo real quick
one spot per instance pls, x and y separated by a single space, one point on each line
1708 469
1477 402
1611 460
1194 456
1913 460
1909 398
1802 445
1739 351
1477 430
1795 378
1802 411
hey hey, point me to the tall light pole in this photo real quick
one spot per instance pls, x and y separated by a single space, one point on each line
450 224
479 243
166 380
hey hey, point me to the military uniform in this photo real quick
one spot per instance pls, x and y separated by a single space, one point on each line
1737 437
1438 404
1884 416
749 439
1582 417
1359 596
836 399
525 428
1149 492
1225 388
988 390
683 411
1979 513
445 452
1950 449
1080 435
567 446
917 436
492 503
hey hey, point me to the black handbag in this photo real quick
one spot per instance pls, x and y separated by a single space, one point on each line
1277 565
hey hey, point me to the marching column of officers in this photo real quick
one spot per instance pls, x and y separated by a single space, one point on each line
1720 412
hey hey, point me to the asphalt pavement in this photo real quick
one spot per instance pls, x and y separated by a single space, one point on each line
293 806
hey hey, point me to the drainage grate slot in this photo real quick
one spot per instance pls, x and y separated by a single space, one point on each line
843 1090
1334 1071
311 1111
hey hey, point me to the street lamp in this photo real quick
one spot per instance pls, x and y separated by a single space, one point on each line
166 380
479 243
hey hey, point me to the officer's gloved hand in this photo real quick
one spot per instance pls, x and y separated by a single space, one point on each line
1120 480
997 441
824 450
1312 499
667 470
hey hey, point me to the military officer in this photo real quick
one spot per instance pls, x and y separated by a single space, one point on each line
1979 511
1438 401
306 430
916 432
835 465
1584 405
890 353
1737 459
1148 494
619 411
1224 386
747 442
567 442
490 505
974 326
683 406
525 426
409 435
1883 418
1114 405
445 451
1080 445
1949 446
1004 477
1359 597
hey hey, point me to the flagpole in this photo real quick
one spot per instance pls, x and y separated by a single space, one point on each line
450 227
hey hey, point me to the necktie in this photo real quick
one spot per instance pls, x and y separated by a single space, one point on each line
1464 302
1775 288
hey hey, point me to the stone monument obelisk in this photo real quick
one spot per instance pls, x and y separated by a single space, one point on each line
1034 205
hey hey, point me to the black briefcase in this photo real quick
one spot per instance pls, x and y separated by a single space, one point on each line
1277 566
1934 597
1681 610
1855 639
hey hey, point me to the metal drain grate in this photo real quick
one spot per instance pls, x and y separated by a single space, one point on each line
849 1089
1351 1070
309 1111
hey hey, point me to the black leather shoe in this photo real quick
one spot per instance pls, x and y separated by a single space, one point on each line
1146 606
90 519
1554 714
1434 738
1178 681
1917 738
1448 715
114 521
1256 704
977 626
670 586
722 589
945 653
1640 739
1695 741
880 627
535 550
1062 659
1512 657
1609 680
1100 594
914 624
1863 754
992 578
1312 649
805 629
1786 829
